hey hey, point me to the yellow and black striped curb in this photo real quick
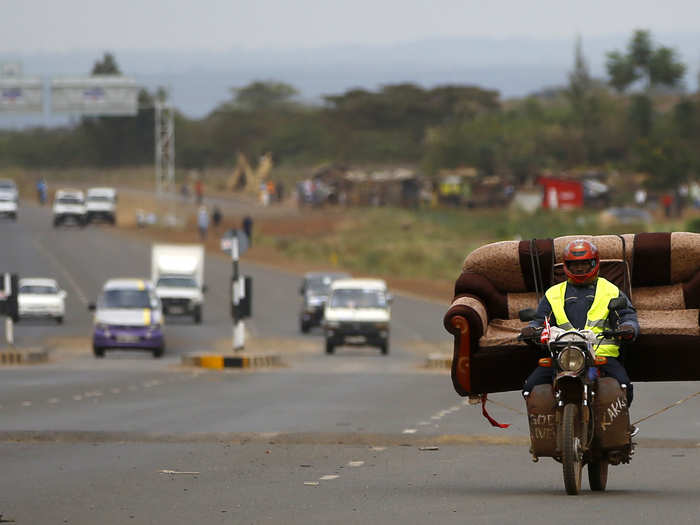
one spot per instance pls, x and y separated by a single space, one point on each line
23 356
217 361
439 361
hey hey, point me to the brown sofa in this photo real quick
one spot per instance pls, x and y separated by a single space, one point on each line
660 272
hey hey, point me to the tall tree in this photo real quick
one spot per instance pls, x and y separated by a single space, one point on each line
656 66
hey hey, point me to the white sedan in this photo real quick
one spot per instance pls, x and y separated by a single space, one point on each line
41 298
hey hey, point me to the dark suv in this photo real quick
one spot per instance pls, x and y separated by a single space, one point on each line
314 290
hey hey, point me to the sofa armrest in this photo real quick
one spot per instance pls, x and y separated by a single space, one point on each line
467 320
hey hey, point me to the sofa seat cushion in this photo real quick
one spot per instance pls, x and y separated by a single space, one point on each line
501 332
669 322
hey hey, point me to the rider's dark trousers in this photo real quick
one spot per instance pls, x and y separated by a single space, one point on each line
613 368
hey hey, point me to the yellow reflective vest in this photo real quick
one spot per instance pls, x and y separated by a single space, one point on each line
597 318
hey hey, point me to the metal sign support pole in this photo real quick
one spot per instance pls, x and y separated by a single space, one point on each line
165 147
238 289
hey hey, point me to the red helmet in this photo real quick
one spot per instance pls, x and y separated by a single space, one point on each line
581 250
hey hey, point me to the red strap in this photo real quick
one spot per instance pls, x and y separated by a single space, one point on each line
486 414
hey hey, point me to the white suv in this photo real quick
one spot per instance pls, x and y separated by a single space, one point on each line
69 205
357 313
101 204
9 198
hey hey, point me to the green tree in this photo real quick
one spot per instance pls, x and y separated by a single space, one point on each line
656 66
263 95
106 66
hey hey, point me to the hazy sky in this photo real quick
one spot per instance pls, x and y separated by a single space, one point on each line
63 25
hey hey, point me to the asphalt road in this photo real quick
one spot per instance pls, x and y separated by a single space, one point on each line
325 439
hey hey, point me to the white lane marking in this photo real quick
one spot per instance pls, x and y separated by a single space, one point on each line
435 417
311 483
328 477
54 400
115 390
454 408
26 403
62 268
378 449
409 431
424 423
77 398
355 463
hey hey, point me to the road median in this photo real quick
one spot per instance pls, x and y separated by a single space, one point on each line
243 360
23 355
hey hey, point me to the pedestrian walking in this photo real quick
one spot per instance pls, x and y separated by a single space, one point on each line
216 217
203 222
248 228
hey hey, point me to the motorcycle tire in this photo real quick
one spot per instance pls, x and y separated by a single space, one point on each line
571 457
598 475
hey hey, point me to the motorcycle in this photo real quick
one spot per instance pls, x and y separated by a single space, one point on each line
581 419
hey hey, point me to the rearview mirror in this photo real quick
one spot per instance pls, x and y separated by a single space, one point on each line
619 303
62 294
204 288
528 314
389 298
92 307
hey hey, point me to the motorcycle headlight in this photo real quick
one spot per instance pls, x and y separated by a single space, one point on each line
571 359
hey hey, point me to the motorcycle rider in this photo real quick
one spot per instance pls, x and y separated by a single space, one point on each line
582 302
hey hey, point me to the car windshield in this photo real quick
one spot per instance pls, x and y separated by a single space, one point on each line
99 198
177 282
5 197
7 185
37 289
126 298
358 298
70 200
319 284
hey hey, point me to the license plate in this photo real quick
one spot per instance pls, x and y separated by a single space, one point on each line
355 339
125 338
176 310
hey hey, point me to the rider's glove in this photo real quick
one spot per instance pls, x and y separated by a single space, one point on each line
626 332
528 332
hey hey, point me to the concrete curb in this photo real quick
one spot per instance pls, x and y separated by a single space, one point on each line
217 361
23 356
439 361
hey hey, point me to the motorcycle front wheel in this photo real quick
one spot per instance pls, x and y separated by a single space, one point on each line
571 457
598 474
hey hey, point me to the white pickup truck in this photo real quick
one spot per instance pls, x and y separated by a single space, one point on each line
177 270
101 204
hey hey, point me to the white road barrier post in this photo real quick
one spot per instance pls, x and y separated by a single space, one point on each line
237 293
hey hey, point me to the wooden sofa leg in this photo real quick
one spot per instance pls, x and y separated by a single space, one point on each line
462 369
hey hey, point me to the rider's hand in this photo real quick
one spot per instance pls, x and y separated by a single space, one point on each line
626 331
528 332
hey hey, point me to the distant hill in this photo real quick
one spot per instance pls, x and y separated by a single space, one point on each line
201 80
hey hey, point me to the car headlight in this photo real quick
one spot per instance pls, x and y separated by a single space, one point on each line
332 324
571 359
382 326
102 327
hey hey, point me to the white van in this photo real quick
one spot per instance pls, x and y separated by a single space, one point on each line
357 313
101 203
